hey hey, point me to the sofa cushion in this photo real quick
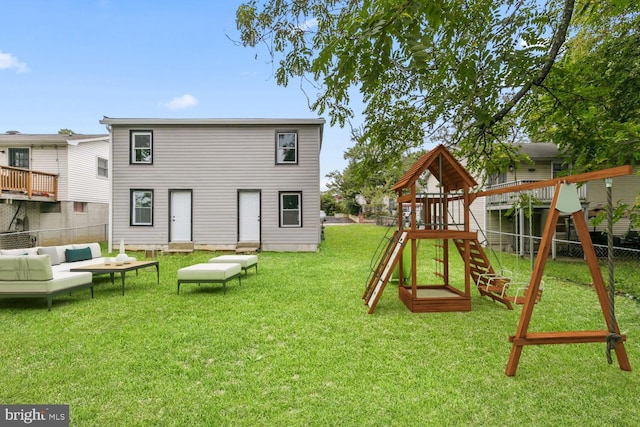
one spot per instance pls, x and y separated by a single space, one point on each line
26 251
62 249
52 252
95 249
29 268
59 282
73 255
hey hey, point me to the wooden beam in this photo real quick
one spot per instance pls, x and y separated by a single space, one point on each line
581 177
571 337
442 234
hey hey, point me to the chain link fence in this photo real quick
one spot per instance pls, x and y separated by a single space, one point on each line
569 253
525 245
61 236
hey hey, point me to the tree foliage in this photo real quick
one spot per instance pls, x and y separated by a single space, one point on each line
453 68
374 184
590 104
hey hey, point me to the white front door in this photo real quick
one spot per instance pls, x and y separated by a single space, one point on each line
249 217
180 216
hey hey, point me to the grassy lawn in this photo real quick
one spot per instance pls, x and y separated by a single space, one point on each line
294 345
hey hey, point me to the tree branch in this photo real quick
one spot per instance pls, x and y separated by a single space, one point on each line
557 42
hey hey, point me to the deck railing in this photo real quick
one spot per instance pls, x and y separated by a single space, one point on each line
28 182
544 195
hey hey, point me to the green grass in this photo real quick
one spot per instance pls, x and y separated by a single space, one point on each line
294 345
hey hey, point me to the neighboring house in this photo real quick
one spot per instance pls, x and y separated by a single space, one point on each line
216 184
491 212
52 182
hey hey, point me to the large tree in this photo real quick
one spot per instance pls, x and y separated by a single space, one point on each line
453 67
590 104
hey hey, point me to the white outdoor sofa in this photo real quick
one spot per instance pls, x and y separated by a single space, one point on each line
43 272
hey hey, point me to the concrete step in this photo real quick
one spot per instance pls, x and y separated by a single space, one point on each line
179 247
247 248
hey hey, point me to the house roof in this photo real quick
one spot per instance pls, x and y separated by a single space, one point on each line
540 150
212 121
17 138
443 166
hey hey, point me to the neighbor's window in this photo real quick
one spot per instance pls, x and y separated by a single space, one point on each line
141 207
291 209
286 148
557 170
19 158
79 207
103 167
498 178
141 147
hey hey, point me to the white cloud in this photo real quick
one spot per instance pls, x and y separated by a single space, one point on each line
8 61
308 24
181 102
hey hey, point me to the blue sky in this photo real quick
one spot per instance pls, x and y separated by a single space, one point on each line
67 63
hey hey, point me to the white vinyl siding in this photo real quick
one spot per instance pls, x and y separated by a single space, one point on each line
53 159
624 189
217 161
82 180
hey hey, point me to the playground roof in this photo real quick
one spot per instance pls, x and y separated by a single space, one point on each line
443 166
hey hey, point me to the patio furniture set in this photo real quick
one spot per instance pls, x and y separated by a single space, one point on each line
218 270
44 272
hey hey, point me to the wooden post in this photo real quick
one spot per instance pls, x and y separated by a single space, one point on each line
30 184
598 284
534 286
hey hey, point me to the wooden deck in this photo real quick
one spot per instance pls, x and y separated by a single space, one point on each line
27 184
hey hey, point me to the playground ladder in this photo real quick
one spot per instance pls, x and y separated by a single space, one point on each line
440 259
384 269
482 273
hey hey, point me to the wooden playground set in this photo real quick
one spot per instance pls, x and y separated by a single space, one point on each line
445 219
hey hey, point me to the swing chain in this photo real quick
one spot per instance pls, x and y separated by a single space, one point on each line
612 337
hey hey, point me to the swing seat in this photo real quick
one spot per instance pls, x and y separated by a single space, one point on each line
495 283
522 293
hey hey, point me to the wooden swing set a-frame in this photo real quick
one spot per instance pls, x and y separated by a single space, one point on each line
565 200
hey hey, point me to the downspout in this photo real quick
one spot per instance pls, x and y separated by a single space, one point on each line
110 172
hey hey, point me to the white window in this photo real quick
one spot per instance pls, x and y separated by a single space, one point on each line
141 207
291 209
19 157
286 148
103 167
141 145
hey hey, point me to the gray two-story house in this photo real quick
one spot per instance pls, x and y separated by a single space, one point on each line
215 184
